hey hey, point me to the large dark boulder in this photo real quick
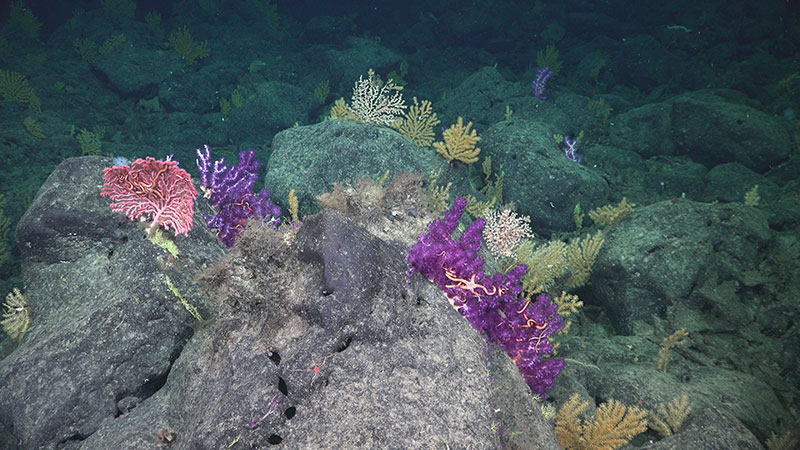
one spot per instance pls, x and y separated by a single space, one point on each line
106 327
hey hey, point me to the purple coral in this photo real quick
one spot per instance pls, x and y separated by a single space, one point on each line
491 304
570 149
540 83
222 183
230 190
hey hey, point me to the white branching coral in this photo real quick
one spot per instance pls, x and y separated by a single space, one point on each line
377 102
504 230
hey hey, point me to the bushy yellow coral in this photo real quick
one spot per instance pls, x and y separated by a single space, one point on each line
341 110
181 40
751 197
670 416
613 426
112 43
459 143
23 18
581 257
85 48
568 304
322 91
549 57
90 141
546 264
14 86
33 128
612 215
153 21
418 123
679 337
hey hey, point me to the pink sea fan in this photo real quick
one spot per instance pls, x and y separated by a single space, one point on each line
151 189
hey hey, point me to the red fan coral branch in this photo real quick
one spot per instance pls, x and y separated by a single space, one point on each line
154 189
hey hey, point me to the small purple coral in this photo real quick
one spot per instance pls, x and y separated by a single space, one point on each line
570 149
540 83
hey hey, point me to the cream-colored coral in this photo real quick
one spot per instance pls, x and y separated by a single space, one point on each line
374 101
503 231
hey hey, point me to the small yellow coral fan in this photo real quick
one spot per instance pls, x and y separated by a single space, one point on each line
679 337
14 86
34 129
459 143
612 215
181 40
17 318
581 257
670 416
418 123
613 426
341 110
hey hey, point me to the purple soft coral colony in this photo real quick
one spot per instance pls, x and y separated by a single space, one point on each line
491 304
230 190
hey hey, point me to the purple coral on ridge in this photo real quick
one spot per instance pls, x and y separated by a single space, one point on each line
230 190
491 304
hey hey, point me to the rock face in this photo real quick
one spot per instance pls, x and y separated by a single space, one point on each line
710 126
665 250
539 179
316 339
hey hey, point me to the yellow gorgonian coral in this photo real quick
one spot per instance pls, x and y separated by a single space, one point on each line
341 110
21 16
17 317
418 123
459 143
14 86
612 427
612 215
181 40
33 128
